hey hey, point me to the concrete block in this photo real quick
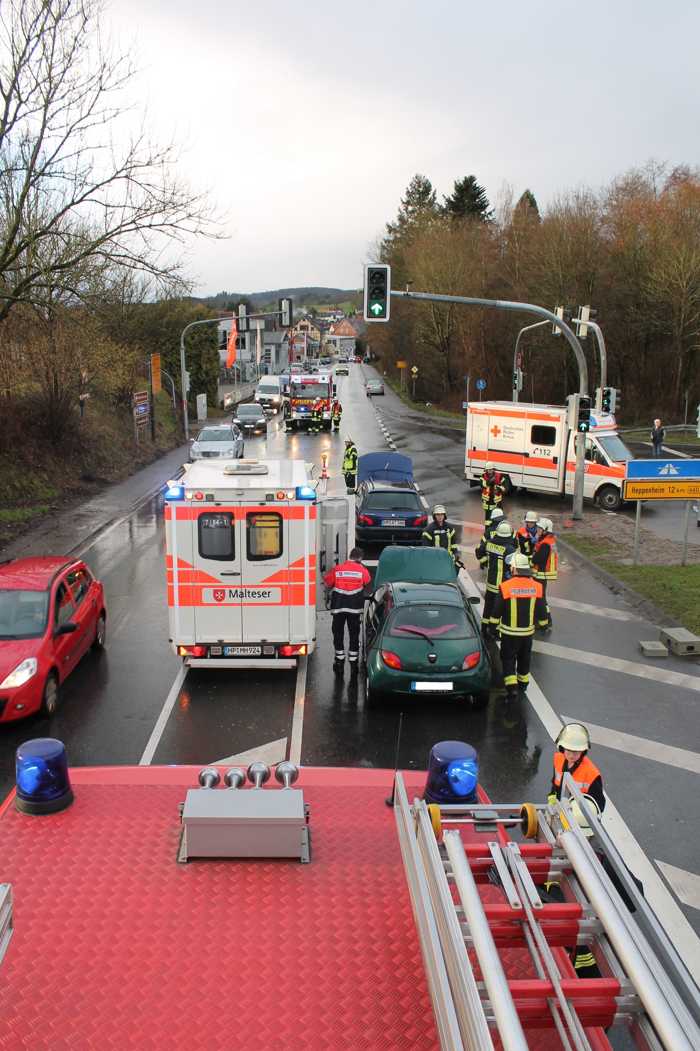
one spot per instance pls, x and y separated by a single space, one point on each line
653 649
681 642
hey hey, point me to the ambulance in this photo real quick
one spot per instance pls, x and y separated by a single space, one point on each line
241 539
304 389
534 447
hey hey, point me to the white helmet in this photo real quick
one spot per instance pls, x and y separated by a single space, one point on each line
489 466
496 514
545 524
580 817
439 509
519 562
575 737
530 516
504 529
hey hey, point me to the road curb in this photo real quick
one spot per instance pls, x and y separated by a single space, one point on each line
618 587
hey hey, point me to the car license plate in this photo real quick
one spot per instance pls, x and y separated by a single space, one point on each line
432 687
393 522
242 651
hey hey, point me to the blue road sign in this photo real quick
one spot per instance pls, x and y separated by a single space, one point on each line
481 384
141 410
663 470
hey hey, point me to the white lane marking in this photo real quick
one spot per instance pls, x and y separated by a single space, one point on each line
161 722
599 660
677 927
271 753
298 716
685 884
642 747
584 607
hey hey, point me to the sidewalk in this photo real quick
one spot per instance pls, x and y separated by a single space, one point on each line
69 529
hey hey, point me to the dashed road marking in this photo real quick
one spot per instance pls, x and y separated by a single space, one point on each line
271 753
599 660
298 715
162 720
642 747
685 884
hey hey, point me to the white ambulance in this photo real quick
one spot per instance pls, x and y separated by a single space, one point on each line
241 563
533 446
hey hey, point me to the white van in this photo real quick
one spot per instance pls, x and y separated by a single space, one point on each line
533 447
269 393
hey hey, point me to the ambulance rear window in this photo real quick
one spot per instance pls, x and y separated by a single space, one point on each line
263 535
541 435
216 536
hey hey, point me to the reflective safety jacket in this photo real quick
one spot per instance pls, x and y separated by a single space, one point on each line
497 551
584 772
492 489
336 410
545 560
348 581
526 540
350 460
439 536
519 603
489 533
317 409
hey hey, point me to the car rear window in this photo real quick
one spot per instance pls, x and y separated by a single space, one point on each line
218 434
439 622
392 502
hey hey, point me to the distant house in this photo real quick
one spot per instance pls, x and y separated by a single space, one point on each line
274 354
343 334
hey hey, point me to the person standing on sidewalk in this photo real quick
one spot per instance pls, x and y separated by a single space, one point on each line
347 582
658 436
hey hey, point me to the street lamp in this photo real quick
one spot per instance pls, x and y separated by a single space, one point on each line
206 321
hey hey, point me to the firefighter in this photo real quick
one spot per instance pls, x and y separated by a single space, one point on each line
545 560
350 465
571 757
336 414
489 530
347 582
518 604
316 416
440 533
527 534
492 489
498 548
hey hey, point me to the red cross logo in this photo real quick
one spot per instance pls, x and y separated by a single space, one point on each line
495 431
219 594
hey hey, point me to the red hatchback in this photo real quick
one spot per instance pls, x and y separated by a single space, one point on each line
52 610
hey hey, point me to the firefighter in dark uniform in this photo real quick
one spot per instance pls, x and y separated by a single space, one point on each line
518 606
316 416
527 534
545 560
347 582
492 489
440 533
336 414
498 549
350 465
490 528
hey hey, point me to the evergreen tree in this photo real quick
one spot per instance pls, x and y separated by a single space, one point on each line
419 202
468 199
527 206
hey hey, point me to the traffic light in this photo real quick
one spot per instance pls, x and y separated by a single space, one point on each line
286 311
584 413
565 314
377 292
242 318
585 314
518 380
614 400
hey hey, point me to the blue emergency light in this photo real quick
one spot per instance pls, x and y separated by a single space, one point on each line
305 492
41 774
453 773
175 492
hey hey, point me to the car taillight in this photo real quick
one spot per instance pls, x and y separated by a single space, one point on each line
421 520
365 520
471 660
392 660
293 651
192 651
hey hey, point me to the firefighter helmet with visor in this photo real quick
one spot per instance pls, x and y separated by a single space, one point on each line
575 737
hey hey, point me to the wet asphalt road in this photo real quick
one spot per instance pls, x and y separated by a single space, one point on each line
112 702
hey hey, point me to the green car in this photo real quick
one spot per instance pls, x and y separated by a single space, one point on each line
421 636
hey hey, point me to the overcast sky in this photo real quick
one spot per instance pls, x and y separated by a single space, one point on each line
307 121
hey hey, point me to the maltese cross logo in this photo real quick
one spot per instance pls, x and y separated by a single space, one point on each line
219 594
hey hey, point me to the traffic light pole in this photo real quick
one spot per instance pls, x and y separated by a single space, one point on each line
603 363
547 315
528 328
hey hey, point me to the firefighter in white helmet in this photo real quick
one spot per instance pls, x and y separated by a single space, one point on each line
545 560
527 534
439 533
571 757
519 603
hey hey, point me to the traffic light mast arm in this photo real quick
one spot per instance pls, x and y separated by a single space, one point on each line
603 357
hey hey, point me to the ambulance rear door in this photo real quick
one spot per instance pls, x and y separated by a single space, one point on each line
217 547
265 579
477 442
506 445
544 462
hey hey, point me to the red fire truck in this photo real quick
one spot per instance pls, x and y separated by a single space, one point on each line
304 389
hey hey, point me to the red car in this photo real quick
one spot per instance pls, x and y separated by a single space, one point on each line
52 611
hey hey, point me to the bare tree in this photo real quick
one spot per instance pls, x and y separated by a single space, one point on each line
69 192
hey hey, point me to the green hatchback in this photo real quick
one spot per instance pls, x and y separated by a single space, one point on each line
421 637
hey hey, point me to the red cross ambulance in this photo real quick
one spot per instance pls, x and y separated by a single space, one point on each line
241 563
533 446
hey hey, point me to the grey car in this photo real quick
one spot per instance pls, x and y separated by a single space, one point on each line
223 441
374 387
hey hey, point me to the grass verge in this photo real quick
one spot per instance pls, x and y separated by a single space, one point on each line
421 406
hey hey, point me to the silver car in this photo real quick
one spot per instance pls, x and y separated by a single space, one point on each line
222 441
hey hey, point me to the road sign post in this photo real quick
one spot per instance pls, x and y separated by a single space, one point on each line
414 373
661 480
481 387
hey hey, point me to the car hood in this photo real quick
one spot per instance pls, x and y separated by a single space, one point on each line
14 651
242 420
214 447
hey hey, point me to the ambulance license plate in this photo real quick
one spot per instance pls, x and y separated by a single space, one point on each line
393 522
432 687
242 651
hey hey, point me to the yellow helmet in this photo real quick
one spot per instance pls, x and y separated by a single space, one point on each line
575 737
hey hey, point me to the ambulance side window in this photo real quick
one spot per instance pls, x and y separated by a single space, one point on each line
216 535
540 435
263 535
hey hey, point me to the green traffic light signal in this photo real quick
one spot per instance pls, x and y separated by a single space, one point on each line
377 292
584 414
